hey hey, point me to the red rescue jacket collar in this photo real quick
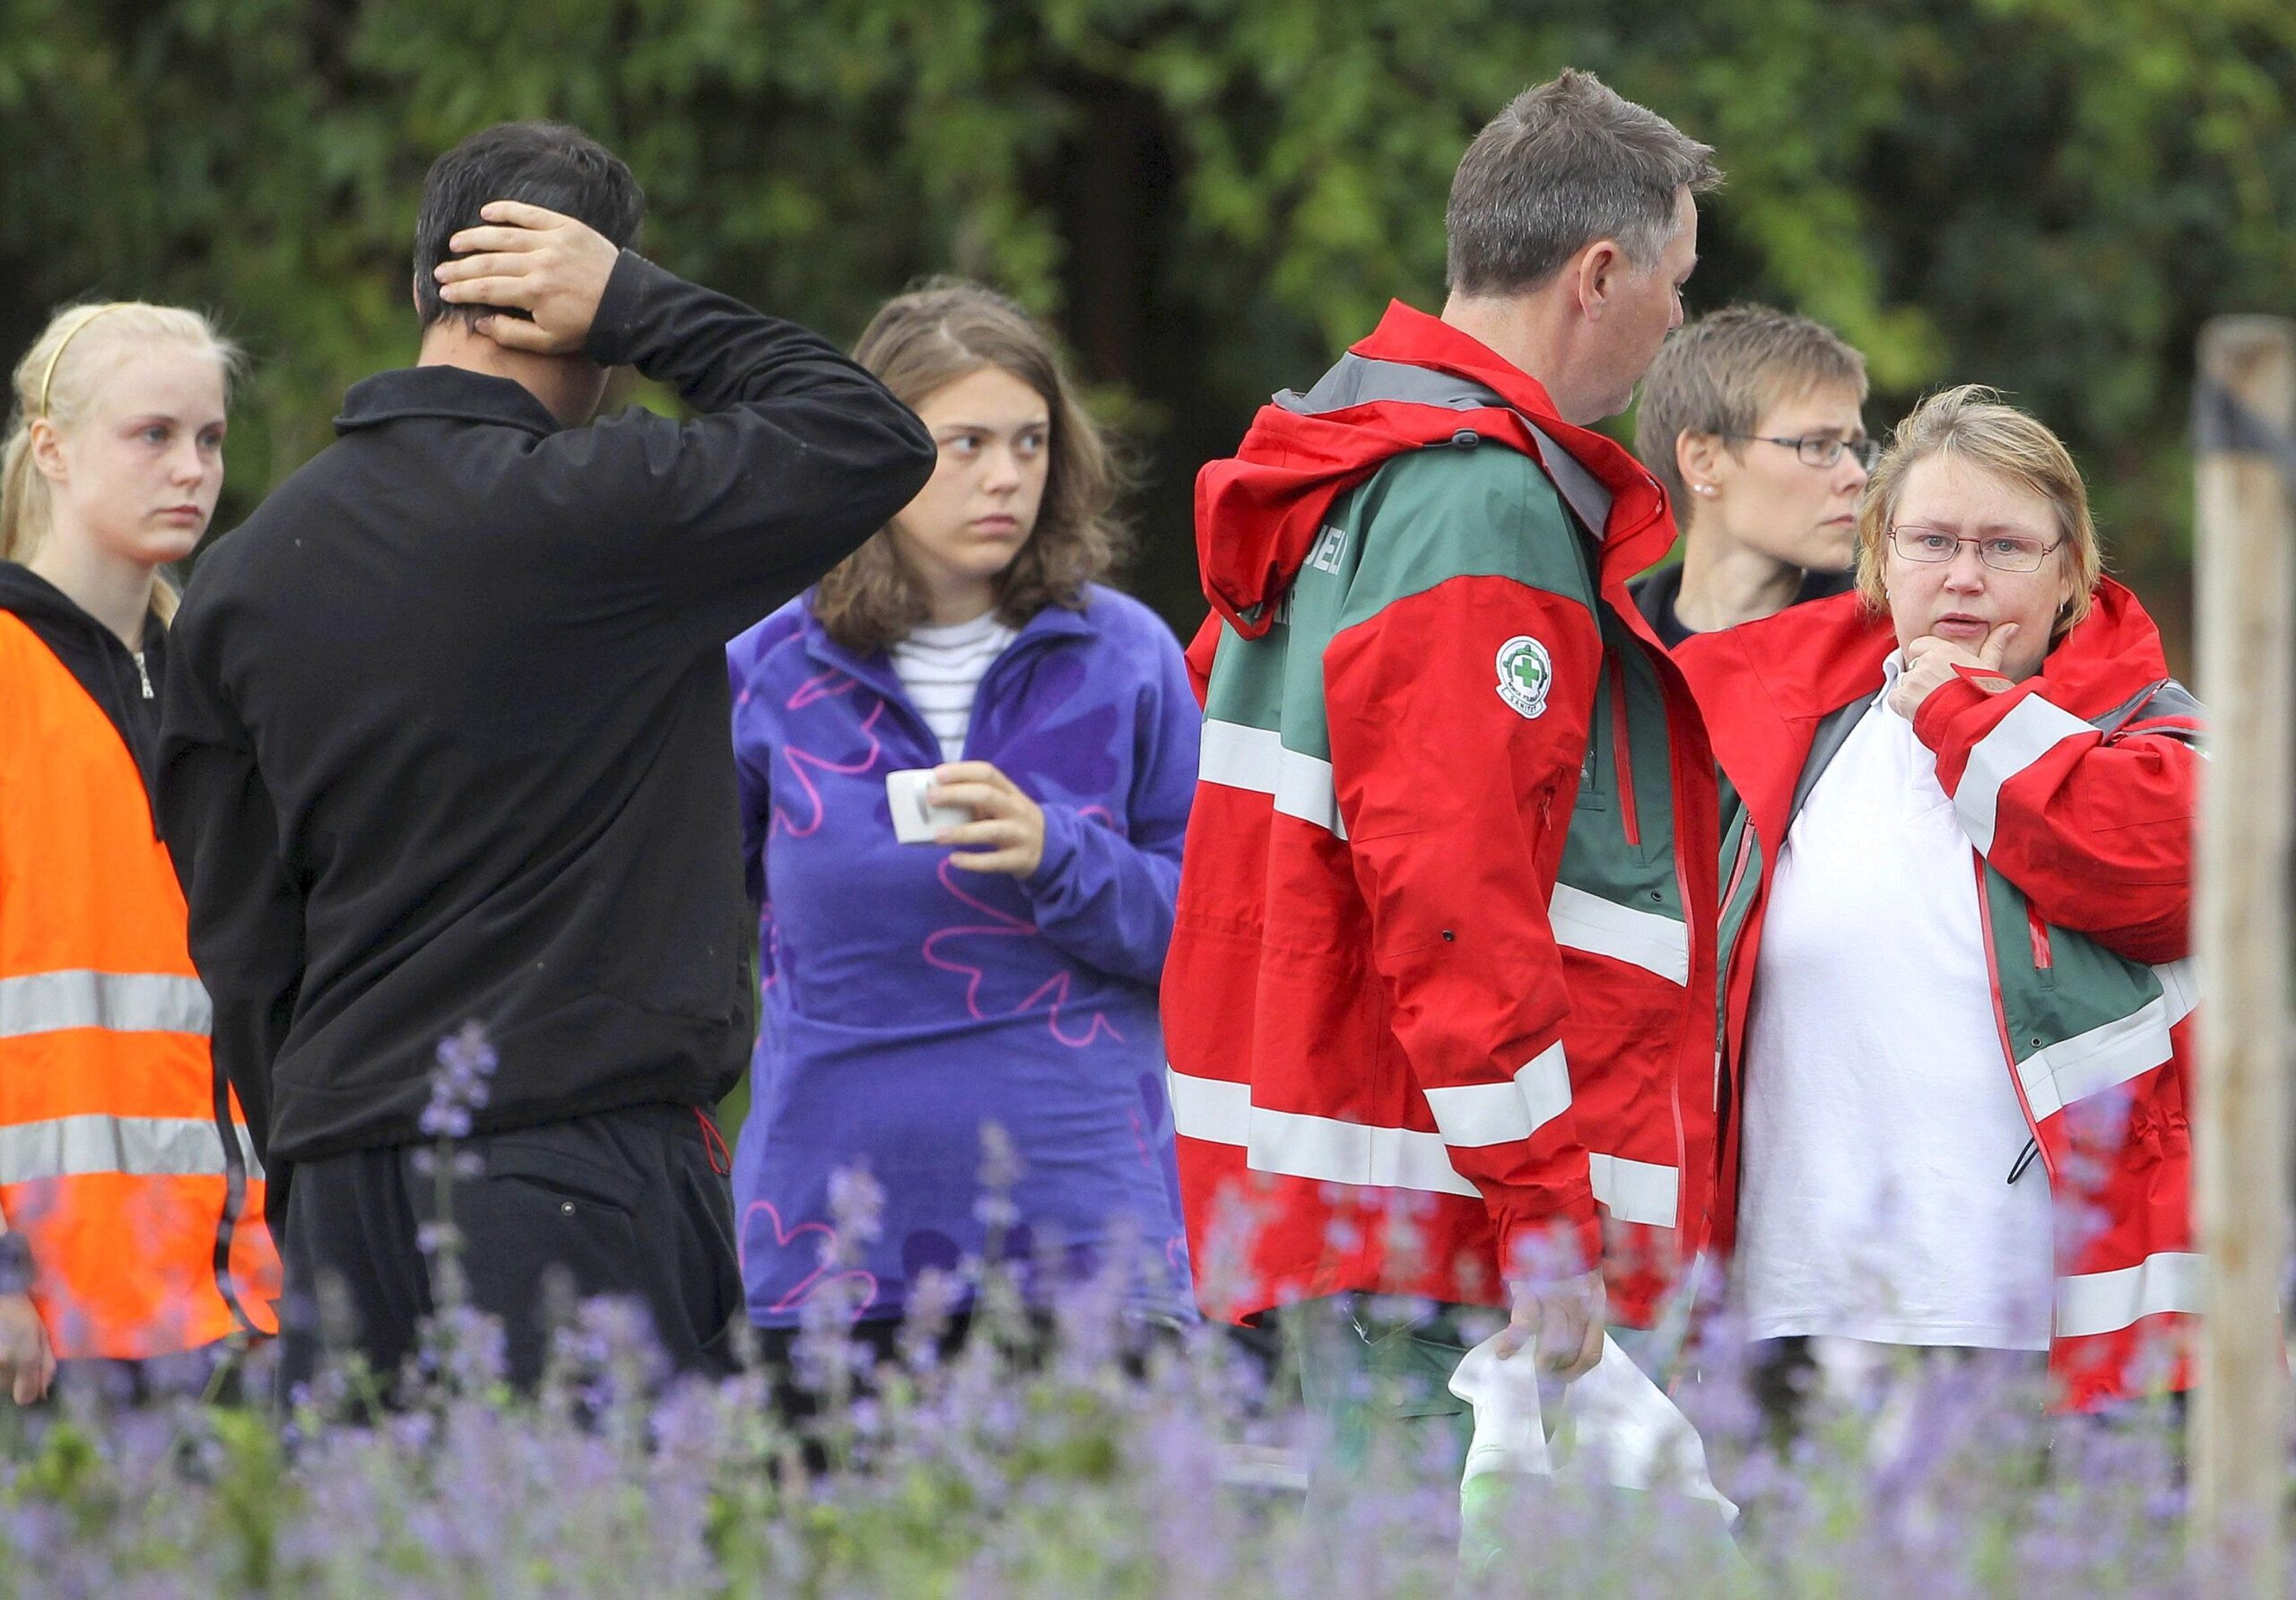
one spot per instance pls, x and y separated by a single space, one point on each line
1809 661
1814 659
1258 512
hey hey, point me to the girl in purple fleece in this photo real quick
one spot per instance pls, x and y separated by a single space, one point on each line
1005 973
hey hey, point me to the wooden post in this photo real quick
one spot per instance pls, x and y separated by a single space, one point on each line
2246 647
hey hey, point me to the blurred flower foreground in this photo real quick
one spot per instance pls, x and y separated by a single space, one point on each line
1032 1464
1061 1452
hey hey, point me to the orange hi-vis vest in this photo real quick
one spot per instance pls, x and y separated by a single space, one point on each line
145 1225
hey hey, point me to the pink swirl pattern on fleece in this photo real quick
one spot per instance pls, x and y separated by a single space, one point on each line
1003 925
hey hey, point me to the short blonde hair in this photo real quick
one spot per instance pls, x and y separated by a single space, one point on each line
1974 423
1721 374
58 380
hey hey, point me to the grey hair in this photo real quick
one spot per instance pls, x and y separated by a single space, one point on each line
1566 163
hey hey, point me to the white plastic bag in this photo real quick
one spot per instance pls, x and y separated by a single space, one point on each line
1617 1429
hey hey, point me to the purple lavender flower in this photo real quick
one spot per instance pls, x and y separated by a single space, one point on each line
460 1083
1003 1471
856 1210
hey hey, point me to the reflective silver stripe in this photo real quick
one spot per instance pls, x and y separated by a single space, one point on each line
247 1157
1645 939
1476 1115
1588 500
1361 380
123 1002
2032 728
1635 1191
1241 757
1294 1145
2089 1303
1325 1150
2071 1069
138 1146
2180 988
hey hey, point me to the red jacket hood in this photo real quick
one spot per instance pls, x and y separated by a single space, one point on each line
1258 512
1817 658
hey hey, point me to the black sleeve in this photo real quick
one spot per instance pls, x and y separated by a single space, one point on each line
247 912
797 454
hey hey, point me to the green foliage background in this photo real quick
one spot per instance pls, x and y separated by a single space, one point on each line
1210 197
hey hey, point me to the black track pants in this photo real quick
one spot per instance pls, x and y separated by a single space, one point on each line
627 1202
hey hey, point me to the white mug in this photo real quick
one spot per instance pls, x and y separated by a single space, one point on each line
915 822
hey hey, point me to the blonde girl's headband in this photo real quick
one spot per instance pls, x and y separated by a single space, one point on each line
48 378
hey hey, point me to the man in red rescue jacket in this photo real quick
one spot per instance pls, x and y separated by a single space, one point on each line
1439 1004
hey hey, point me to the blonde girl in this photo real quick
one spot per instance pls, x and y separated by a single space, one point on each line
130 1215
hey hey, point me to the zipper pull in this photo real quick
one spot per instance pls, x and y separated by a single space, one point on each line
2024 1159
141 673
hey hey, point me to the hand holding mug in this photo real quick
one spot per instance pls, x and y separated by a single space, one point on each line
1006 834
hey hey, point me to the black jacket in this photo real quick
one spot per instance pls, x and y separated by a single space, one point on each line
448 737
1655 593
126 691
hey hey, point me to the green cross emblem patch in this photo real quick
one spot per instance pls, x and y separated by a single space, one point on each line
1526 675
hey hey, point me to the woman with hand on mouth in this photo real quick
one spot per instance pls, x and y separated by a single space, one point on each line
1004 972
1955 932
131 1209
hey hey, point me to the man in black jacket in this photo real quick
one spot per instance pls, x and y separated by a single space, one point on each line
448 742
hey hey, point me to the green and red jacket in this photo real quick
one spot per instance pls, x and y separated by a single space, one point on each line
1440 990
2076 788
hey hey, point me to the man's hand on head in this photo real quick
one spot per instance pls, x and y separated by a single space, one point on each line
525 258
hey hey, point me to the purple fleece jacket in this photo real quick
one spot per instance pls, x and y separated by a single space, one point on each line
907 1002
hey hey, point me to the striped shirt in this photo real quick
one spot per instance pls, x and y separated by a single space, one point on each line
940 668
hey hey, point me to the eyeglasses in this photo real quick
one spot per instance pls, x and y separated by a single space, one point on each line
2004 552
1822 449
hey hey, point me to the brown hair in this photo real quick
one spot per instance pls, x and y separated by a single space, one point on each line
1566 163
1974 423
924 341
1721 374
58 378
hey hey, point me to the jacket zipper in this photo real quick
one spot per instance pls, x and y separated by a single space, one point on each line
1621 757
1738 869
896 694
141 673
995 670
1688 1228
2008 1049
2037 931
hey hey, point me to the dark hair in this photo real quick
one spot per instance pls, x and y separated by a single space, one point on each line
924 341
1566 163
543 163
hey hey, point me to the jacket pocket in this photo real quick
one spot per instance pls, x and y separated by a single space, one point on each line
547 1164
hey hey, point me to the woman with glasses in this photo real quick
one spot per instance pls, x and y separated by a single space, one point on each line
1954 935
1751 418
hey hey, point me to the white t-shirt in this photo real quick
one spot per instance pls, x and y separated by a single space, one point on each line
1881 1126
941 668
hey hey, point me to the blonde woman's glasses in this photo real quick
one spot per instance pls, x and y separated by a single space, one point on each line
2004 552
